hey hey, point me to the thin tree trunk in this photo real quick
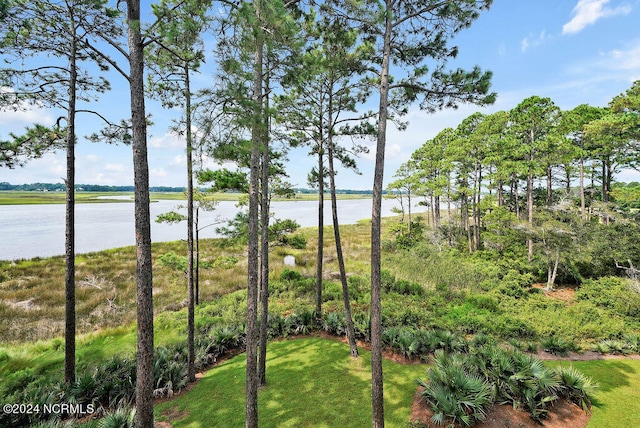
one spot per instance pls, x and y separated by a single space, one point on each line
408 210
549 190
530 213
500 192
144 277
252 251
197 255
377 393
320 256
191 353
70 268
264 251
552 272
583 210
351 335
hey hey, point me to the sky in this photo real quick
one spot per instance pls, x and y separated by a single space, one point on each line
572 51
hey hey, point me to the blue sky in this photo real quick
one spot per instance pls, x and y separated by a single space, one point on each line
573 51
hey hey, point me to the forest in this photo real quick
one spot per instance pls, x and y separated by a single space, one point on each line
515 199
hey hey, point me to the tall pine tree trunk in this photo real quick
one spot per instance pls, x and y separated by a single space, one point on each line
191 353
549 189
144 278
70 268
252 251
530 213
264 250
583 210
320 254
377 393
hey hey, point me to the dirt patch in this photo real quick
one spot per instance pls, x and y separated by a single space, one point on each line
562 415
565 293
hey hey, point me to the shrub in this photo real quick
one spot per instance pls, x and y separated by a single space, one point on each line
224 262
611 293
455 394
290 275
173 261
576 387
298 242
558 346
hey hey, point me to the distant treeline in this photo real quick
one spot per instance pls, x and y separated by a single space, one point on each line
59 187
338 191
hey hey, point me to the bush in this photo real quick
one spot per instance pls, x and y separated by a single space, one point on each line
290 275
454 393
298 242
558 346
576 387
611 293
173 261
224 262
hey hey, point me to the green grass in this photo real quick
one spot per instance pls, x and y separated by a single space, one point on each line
617 400
312 382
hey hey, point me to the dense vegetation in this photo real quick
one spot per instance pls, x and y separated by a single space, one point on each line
300 73
434 298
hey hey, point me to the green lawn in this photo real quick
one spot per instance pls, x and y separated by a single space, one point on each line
617 400
312 382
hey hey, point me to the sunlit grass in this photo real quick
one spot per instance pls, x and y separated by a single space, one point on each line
310 383
617 399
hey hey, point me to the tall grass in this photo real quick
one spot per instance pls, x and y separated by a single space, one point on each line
32 291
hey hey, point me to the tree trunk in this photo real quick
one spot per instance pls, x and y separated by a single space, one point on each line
583 210
197 255
549 189
144 278
409 210
191 353
377 393
320 256
351 335
252 251
264 251
70 268
530 213
552 272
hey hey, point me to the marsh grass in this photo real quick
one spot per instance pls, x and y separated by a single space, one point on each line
32 291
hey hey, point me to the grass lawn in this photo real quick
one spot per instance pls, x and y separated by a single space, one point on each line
312 382
617 400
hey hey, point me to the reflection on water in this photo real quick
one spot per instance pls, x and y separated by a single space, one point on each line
28 231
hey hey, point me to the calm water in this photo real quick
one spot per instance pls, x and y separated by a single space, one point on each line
28 231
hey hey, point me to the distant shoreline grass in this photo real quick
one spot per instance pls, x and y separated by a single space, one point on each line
41 198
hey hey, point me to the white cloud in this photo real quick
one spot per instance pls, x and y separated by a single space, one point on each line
25 115
157 173
587 12
114 167
534 40
166 141
625 60
92 158
179 160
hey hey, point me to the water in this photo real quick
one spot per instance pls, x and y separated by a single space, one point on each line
28 231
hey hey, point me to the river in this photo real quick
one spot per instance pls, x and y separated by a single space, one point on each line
28 231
